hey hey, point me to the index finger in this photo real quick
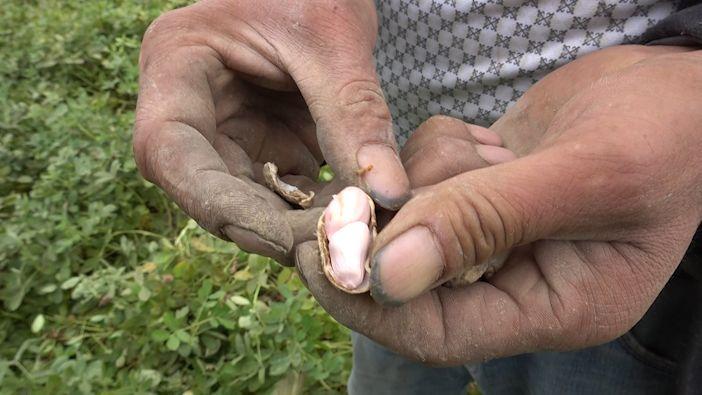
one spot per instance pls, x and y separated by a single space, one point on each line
338 80
175 117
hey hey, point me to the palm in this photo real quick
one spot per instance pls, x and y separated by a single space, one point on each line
256 125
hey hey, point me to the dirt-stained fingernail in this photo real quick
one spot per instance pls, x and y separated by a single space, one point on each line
406 267
252 242
302 254
380 169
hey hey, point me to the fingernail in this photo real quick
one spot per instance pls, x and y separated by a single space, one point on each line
494 155
348 249
252 242
300 270
383 175
485 136
406 267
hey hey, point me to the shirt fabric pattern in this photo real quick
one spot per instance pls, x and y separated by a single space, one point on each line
473 59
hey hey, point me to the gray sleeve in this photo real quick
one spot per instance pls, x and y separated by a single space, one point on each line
681 28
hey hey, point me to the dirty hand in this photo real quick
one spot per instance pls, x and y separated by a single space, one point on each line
227 85
597 213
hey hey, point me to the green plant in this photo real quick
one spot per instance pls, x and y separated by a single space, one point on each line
105 286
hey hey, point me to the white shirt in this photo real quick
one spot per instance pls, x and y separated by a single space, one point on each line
473 59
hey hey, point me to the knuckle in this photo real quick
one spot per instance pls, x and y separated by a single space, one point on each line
362 92
162 25
363 99
454 129
170 29
329 28
317 13
323 16
443 121
438 145
445 147
182 62
480 227
437 151
455 226
438 124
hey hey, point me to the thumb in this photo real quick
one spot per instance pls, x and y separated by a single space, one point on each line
463 223
338 80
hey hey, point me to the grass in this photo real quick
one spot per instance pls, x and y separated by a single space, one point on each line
105 286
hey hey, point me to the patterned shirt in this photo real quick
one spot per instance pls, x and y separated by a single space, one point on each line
473 59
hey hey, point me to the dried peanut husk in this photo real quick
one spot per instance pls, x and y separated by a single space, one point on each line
474 273
325 256
290 193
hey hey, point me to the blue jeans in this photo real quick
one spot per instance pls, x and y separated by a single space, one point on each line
622 366
649 359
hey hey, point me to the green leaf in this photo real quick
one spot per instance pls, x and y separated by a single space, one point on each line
144 294
204 290
121 360
170 320
70 283
38 323
326 174
15 298
245 322
279 365
239 345
217 295
243 275
4 368
183 336
240 300
152 377
182 312
212 345
173 343
47 289
159 335
226 323
76 340
185 350
97 318
183 270
258 262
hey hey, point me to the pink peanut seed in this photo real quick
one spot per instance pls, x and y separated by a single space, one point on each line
349 205
348 248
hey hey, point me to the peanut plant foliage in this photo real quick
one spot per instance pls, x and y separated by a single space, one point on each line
105 286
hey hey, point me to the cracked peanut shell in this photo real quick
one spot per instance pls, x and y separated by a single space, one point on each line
323 242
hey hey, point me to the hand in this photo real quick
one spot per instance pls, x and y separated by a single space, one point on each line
228 85
597 212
